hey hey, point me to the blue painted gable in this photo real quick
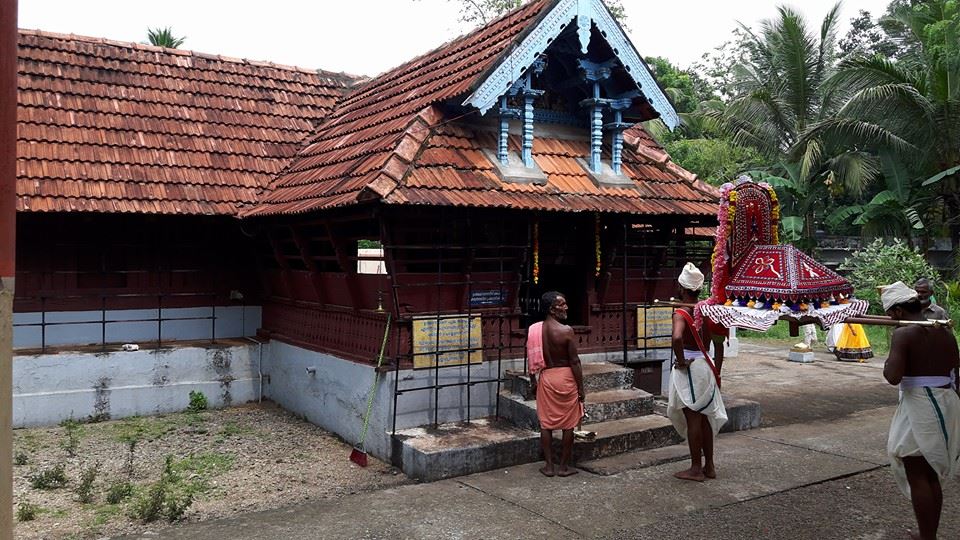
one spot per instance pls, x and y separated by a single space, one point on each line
581 31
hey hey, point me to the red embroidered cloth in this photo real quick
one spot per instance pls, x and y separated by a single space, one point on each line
782 272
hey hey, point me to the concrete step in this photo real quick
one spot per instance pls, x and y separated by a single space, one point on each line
599 406
597 376
429 454
636 459
450 450
623 435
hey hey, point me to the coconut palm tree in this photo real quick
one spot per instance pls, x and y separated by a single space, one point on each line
163 37
780 92
909 108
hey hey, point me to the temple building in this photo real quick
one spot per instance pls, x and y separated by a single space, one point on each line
259 230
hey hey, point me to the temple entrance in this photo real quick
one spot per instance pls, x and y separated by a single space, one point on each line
567 279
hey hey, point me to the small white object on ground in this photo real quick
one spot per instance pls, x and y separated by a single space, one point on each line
131 347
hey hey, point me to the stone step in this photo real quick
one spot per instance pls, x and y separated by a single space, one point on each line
636 459
599 406
429 454
449 450
597 376
623 435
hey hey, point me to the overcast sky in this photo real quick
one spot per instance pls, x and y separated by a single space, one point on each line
366 37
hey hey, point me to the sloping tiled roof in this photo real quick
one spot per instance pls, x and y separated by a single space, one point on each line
380 125
453 170
105 126
389 140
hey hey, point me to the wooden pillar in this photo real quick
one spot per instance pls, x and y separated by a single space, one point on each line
309 262
8 237
343 251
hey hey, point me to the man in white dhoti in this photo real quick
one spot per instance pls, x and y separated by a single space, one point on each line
924 440
695 407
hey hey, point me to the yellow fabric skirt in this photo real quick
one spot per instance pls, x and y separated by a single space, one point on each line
853 344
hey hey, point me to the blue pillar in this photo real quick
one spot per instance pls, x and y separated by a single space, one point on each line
596 131
504 131
528 129
617 143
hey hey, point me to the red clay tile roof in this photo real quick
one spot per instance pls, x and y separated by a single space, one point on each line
452 170
105 126
389 140
375 132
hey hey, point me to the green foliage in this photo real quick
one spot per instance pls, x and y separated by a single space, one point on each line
369 244
484 11
881 264
20 459
73 432
27 511
714 160
84 489
119 491
198 401
164 498
163 37
49 478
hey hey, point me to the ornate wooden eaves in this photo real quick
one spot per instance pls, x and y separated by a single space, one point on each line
583 13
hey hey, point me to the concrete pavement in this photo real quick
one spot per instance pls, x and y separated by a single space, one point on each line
818 471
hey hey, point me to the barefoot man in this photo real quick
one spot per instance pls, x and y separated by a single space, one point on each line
559 384
924 441
695 406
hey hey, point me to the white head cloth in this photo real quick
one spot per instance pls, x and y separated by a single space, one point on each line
894 294
691 278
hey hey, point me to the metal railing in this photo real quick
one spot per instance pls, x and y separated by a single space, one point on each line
104 322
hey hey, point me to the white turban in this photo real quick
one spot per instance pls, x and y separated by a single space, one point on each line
691 278
898 293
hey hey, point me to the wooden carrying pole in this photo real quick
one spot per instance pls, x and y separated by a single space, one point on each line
876 320
8 235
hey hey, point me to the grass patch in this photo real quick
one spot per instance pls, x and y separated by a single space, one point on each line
119 491
104 514
139 428
233 429
210 464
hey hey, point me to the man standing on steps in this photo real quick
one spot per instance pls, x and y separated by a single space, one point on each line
695 407
924 440
559 384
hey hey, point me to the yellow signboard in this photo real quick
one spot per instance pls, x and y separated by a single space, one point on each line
450 348
654 327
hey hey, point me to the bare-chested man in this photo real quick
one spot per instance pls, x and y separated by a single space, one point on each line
924 440
559 386
695 407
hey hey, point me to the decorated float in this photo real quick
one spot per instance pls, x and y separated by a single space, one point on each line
756 280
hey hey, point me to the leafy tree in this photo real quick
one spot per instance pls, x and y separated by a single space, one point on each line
867 37
163 37
780 92
484 11
714 160
880 263
909 109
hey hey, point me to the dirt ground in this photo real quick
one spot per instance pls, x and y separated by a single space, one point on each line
227 461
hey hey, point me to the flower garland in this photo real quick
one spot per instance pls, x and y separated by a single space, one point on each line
774 213
596 239
536 252
720 257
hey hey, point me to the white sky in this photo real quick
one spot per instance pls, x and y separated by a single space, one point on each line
366 37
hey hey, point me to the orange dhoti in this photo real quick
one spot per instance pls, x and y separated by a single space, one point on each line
558 402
